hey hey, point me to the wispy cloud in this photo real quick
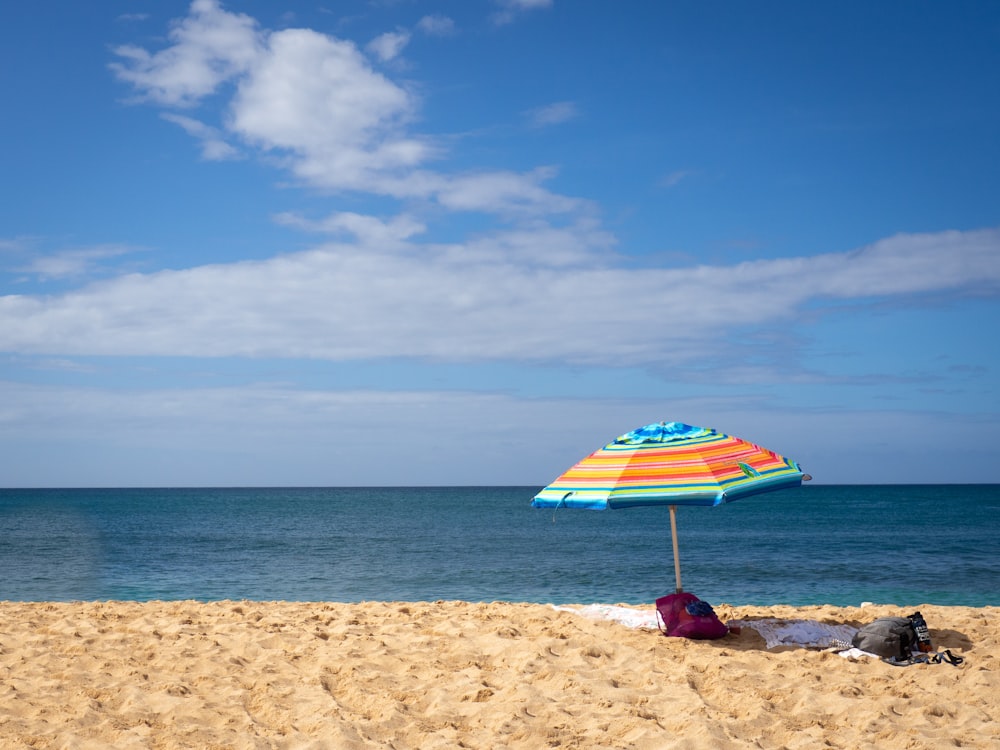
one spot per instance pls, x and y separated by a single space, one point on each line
553 114
276 435
72 263
51 364
285 434
389 46
673 179
511 9
368 230
213 144
13 246
436 25
495 299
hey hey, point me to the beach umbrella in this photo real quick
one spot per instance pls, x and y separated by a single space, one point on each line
670 463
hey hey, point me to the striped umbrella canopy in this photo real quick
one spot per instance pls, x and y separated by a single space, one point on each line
670 463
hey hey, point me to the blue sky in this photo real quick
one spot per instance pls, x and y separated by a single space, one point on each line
469 241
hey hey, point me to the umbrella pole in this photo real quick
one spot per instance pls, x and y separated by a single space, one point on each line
677 554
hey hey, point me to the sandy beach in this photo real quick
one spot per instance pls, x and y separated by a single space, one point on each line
454 674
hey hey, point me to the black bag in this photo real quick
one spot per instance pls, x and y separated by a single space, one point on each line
888 637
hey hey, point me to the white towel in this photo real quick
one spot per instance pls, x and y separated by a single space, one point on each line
802 633
630 618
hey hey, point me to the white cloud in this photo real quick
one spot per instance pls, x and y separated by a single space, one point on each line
506 193
510 9
436 25
553 114
369 230
673 179
502 298
316 99
389 46
73 262
209 47
213 144
525 4
312 104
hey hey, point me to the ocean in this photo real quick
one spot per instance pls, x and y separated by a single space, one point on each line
842 545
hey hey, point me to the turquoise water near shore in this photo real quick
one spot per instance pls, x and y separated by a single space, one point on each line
901 544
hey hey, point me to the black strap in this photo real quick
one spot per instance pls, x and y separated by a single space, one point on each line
947 657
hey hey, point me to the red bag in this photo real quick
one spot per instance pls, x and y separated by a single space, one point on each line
686 616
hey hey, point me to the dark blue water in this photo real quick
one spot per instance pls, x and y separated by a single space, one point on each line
818 544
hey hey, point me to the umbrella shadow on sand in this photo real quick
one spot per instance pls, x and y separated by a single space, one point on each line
944 638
